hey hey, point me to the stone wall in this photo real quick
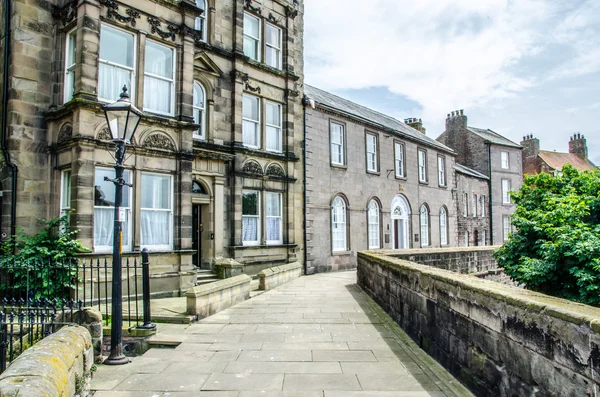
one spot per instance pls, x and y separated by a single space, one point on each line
497 340
458 260
59 365
278 275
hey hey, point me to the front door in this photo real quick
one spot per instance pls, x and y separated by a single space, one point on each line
400 233
197 235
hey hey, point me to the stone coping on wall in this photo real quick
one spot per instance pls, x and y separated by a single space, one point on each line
275 276
58 365
576 313
425 251
206 300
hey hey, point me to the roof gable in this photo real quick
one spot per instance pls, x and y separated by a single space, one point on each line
493 137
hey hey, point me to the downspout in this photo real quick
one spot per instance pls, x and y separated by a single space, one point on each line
490 201
305 102
4 127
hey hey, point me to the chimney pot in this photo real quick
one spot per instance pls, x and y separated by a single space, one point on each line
461 111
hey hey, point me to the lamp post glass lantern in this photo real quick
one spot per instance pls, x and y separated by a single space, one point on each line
123 119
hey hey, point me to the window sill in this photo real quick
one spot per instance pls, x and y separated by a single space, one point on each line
373 172
244 247
341 166
341 253
443 186
401 178
423 182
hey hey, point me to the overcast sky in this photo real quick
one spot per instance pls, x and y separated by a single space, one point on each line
515 66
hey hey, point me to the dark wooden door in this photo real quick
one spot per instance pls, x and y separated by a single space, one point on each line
197 235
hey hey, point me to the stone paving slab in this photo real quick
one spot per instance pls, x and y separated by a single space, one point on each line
316 336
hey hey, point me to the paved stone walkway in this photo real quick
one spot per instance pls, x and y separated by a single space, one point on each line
316 336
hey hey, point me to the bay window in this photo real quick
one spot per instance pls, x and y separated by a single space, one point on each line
70 66
273 218
116 63
252 33
104 210
251 121
273 46
156 212
250 218
199 108
159 79
273 126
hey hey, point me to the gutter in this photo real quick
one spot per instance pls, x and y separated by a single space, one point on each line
305 101
4 126
490 201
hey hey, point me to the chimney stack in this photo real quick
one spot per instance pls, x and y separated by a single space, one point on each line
578 145
456 119
531 147
415 123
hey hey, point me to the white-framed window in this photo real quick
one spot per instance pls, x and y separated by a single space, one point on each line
506 227
482 206
250 217
252 37
474 205
424 223
505 191
156 211
273 127
373 225
465 204
273 46
339 241
337 143
441 171
251 121
70 65
399 159
504 158
443 226
65 192
200 22
116 63
159 79
273 218
371 153
422 165
199 107
483 238
466 238
104 210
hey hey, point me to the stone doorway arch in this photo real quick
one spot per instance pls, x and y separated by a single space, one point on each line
400 222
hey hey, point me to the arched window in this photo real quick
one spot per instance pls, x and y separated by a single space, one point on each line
339 236
373 220
443 226
424 218
199 107
198 188
201 24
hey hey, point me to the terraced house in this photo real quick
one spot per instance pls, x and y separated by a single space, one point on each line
215 163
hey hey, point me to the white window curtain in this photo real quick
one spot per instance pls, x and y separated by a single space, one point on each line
422 167
252 37
338 225
116 63
337 143
200 23
424 218
443 226
273 124
250 121
250 218
104 210
273 218
156 211
505 191
199 107
399 158
273 46
371 152
70 66
442 171
158 78
373 215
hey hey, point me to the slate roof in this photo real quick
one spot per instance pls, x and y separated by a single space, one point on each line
493 137
470 172
558 160
356 111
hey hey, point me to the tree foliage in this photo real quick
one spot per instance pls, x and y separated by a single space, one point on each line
555 248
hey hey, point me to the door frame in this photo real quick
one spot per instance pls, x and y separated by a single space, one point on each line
400 211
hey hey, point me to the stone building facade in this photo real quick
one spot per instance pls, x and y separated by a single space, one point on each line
215 163
536 161
372 182
494 156
472 207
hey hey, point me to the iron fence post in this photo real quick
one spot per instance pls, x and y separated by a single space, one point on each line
146 291
3 342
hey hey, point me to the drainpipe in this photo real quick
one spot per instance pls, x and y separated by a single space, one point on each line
4 126
305 101
490 201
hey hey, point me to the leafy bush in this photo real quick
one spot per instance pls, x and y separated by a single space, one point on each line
555 248
42 265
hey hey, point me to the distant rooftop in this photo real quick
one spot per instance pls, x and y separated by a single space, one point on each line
468 171
557 160
357 111
493 137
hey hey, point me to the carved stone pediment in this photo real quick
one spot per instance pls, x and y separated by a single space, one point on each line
252 167
65 133
159 141
276 171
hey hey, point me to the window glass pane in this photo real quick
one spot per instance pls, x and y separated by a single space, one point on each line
71 49
156 191
250 203
156 228
251 26
273 114
116 46
251 47
157 94
273 36
273 204
200 4
250 108
104 195
159 60
66 190
198 95
111 80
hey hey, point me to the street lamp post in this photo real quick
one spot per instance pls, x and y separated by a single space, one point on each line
123 119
